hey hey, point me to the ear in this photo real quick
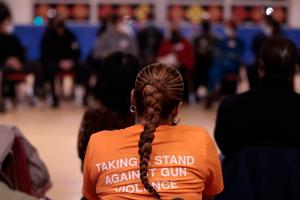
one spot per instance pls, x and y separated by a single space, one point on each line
177 109
132 98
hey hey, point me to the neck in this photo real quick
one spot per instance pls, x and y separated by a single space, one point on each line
141 120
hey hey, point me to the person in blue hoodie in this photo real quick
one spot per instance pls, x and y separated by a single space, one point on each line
231 50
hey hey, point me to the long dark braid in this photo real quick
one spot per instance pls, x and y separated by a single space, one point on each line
158 90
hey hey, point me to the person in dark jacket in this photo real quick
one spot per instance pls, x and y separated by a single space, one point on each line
177 51
12 58
262 173
114 38
270 27
267 115
60 52
149 39
116 80
205 45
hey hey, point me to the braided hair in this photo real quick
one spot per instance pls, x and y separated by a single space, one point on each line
158 90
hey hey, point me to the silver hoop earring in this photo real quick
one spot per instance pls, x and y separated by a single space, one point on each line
132 108
175 121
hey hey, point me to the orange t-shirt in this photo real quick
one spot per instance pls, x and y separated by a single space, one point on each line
184 164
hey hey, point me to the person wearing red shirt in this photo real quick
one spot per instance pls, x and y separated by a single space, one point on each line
178 51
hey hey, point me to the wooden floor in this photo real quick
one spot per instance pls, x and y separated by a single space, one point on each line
54 134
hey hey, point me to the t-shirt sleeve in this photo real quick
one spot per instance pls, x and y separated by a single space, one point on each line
214 178
89 183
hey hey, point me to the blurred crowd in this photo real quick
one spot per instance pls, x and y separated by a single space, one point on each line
209 64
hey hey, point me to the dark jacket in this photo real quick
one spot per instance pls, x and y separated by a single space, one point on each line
99 119
262 174
10 46
149 40
55 47
266 116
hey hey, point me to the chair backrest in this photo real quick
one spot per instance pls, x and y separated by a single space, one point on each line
262 173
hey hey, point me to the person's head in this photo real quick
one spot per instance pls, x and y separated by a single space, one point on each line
57 24
157 96
270 26
115 21
230 28
205 26
103 26
116 80
5 19
121 24
175 34
278 58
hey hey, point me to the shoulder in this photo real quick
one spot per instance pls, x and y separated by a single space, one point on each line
238 100
101 135
190 127
101 140
196 137
236 104
116 134
193 132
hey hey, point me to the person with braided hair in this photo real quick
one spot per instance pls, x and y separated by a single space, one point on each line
156 158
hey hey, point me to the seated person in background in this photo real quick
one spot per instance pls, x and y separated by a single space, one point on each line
60 52
149 39
113 39
270 27
92 66
205 46
267 115
231 50
205 51
178 51
12 57
154 159
113 93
